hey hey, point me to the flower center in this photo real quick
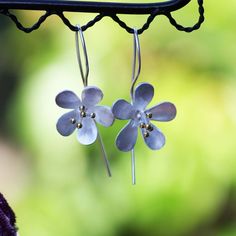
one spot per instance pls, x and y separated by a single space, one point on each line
83 114
142 120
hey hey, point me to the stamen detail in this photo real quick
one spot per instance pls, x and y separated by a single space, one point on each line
83 114
142 125
149 115
79 125
93 115
73 121
82 108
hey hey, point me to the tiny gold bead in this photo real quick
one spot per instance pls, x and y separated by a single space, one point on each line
149 115
82 108
142 125
146 134
79 125
93 115
73 121
83 114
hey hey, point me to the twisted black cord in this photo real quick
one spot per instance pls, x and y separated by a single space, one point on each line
131 30
121 23
20 26
155 13
45 16
92 22
84 27
189 29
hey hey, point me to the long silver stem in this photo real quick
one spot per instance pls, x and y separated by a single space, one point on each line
107 164
133 167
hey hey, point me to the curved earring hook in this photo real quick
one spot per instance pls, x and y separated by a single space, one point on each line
79 35
136 60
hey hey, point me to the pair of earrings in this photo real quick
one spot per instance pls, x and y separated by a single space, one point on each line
86 113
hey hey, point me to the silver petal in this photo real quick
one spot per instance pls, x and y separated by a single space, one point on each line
122 110
155 140
68 99
104 115
91 95
64 125
165 111
143 95
88 133
127 137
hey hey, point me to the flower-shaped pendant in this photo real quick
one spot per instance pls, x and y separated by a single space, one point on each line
140 116
85 114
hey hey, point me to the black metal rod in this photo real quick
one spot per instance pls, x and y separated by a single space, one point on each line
95 7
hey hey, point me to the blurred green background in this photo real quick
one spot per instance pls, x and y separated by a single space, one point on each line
59 187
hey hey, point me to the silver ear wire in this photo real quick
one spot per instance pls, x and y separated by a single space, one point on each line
79 34
136 60
135 75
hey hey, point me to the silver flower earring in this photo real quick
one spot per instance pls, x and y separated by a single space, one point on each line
139 115
85 112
